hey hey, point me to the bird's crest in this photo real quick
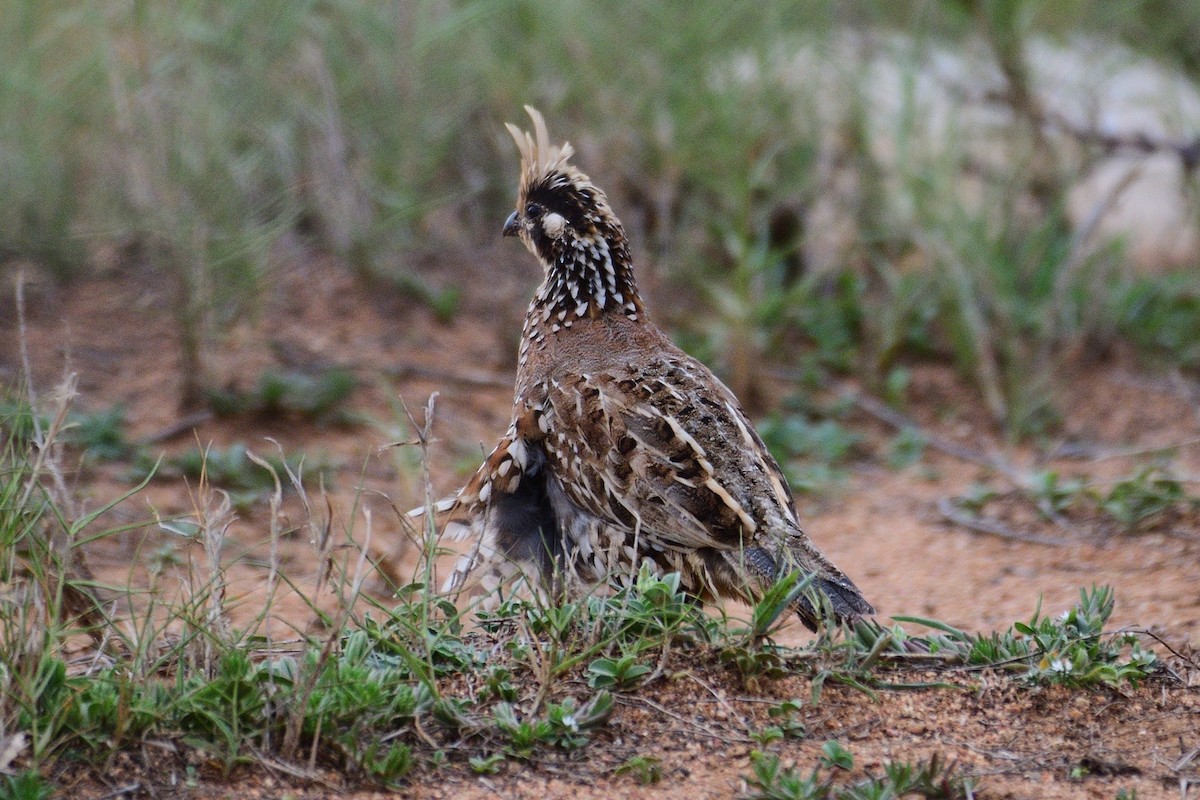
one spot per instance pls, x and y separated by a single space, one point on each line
539 158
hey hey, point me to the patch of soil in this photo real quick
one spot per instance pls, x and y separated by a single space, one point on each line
1011 740
115 331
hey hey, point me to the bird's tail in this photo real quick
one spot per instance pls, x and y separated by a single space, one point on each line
833 595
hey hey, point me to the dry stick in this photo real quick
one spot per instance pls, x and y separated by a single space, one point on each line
953 513
42 439
1131 452
181 426
886 414
120 791
1185 759
1188 150
720 700
273 568
946 507
278 766
80 602
1176 385
707 731
291 736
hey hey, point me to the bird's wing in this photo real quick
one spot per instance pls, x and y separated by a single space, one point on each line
499 477
663 451
502 468
664 448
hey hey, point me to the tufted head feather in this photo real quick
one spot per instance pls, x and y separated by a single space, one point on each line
565 220
556 203
540 160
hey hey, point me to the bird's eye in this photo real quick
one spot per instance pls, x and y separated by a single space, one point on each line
533 210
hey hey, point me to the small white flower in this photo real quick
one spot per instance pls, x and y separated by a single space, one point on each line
1061 666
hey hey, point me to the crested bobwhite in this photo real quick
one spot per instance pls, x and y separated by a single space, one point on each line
623 449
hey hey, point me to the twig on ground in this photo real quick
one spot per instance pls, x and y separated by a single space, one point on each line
720 700
1130 452
178 428
881 411
1185 759
1191 662
281 767
725 736
911 660
890 416
120 791
1187 150
947 508
1175 385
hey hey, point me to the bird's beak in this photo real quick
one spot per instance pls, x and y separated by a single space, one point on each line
511 225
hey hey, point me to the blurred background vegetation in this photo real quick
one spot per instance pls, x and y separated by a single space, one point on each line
787 166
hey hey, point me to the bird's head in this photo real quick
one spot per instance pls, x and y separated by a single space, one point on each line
559 210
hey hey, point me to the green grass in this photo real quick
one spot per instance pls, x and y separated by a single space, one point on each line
1072 649
1150 494
770 780
390 691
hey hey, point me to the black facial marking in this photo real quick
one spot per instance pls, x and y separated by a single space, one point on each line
587 258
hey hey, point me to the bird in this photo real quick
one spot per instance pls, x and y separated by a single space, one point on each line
623 450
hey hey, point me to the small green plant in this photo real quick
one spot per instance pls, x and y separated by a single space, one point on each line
644 769
906 448
571 721
566 724
1143 496
499 684
524 736
444 303
795 437
1052 494
1071 649
486 765
231 469
1133 502
934 779
977 496
101 435
834 756
770 780
786 725
808 451
27 785
223 713
317 396
751 651
387 763
785 717
1161 316
616 673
